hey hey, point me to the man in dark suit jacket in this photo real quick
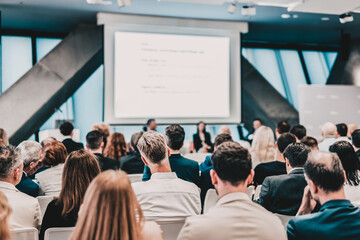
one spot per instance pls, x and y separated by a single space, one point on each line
277 167
184 168
283 193
132 163
66 129
337 219
95 145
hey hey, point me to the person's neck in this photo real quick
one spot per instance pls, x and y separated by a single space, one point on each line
8 180
162 168
279 157
227 188
325 197
98 151
172 151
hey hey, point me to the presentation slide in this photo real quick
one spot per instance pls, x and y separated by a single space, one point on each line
171 76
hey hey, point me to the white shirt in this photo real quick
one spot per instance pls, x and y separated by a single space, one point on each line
343 139
50 180
25 209
352 193
165 197
324 145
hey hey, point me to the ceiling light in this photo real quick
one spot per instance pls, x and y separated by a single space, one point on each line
232 8
99 2
248 10
285 16
345 18
122 3
325 19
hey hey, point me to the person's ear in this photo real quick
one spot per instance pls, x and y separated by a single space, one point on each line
169 152
214 177
250 178
345 178
276 145
287 161
144 161
87 147
17 174
313 187
102 145
276 130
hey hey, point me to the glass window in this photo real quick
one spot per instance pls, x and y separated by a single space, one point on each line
44 46
16 59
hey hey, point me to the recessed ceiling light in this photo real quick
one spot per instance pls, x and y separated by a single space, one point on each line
285 16
325 19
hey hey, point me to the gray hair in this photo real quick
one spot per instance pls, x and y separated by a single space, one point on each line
10 159
30 151
152 146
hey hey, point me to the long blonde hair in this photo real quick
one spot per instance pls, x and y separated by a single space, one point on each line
5 212
110 210
263 145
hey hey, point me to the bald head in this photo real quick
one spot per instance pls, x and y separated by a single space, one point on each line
329 130
224 129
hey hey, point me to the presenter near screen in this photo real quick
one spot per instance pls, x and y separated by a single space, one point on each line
202 139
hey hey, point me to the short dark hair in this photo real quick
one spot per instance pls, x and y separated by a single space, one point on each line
342 129
325 170
285 140
221 138
309 141
175 136
355 137
297 154
299 131
149 121
94 139
135 139
232 163
258 119
66 128
349 160
283 127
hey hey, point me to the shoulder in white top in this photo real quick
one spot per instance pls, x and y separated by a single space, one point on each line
50 180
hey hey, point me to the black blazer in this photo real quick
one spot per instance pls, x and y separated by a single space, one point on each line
71 145
132 163
26 185
283 194
107 163
198 143
184 168
264 170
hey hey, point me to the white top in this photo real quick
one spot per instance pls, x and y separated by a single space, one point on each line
324 145
50 180
352 193
25 209
151 231
344 139
165 197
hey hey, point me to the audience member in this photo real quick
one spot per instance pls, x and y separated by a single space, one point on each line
67 129
282 127
116 147
257 123
351 165
184 168
104 129
30 152
351 128
54 155
299 131
47 140
95 145
5 211
110 211
151 125
311 142
342 131
132 163
3 137
355 137
329 134
202 139
81 167
282 194
234 216
25 209
278 166
226 129
165 196
263 146
337 219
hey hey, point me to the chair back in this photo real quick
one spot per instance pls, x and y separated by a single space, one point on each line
24 233
58 233
135 177
171 229
284 219
211 198
250 191
257 192
44 202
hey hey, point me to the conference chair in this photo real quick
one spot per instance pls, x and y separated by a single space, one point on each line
198 157
211 198
250 191
284 219
257 192
171 229
44 202
58 233
24 233
135 177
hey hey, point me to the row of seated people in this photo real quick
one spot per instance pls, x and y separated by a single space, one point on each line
182 195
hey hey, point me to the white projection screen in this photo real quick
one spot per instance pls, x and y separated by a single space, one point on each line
174 70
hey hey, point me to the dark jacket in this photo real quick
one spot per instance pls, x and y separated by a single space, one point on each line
28 186
71 145
283 194
132 163
107 163
198 143
264 170
184 168
206 164
336 220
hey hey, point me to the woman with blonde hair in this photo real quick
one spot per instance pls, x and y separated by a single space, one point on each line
104 129
80 168
111 211
3 137
116 146
5 211
263 146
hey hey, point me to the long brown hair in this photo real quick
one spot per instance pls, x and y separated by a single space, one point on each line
54 153
81 167
110 210
5 212
116 146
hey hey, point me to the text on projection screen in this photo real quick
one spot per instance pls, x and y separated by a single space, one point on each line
171 76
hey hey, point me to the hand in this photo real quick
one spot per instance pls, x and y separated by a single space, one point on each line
308 203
